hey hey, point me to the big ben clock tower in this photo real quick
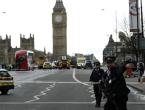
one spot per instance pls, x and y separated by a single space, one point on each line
59 23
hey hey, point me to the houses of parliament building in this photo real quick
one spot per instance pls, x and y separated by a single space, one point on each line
59 25
7 53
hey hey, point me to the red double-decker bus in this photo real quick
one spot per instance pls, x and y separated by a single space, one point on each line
24 60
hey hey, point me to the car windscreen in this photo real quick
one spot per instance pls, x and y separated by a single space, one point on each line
4 74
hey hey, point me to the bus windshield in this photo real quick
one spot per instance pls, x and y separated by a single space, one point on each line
81 61
41 58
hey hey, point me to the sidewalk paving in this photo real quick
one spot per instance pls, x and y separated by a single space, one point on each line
135 84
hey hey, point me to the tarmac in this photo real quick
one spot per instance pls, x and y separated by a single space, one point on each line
133 82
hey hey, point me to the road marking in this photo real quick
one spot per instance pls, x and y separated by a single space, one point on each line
89 86
42 93
19 85
74 77
13 103
77 81
137 94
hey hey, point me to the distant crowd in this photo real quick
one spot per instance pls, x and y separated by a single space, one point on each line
9 67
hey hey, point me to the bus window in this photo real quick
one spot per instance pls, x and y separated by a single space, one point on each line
30 54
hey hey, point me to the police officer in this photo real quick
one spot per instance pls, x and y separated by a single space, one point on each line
114 82
10 67
96 75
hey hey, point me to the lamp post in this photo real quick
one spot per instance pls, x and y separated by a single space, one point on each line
142 19
116 30
138 41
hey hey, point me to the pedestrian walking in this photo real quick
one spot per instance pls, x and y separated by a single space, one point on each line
115 83
96 75
141 65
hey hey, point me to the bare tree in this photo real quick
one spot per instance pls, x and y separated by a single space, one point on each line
129 43
125 35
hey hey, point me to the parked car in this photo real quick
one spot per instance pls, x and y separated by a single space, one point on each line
6 81
47 65
54 65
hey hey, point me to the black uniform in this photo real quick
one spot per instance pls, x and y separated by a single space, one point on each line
95 77
141 68
115 83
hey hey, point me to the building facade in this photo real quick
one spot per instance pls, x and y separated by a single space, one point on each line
112 49
122 52
7 53
59 24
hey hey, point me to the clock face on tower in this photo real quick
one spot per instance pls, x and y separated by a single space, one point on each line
58 18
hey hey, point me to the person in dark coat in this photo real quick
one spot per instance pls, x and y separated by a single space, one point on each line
114 81
96 75
141 65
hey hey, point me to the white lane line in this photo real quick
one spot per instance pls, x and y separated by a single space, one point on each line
74 77
137 94
13 103
19 85
42 93
89 86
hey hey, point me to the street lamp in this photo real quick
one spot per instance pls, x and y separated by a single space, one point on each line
142 19
116 29
138 41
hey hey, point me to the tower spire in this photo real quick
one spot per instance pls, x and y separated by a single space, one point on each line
58 0
59 5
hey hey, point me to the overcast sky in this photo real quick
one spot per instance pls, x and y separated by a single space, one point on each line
87 25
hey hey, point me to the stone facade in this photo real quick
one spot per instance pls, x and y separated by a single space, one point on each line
59 23
110 50
7 53
123 53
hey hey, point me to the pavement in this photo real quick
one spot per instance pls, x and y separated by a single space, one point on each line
133 82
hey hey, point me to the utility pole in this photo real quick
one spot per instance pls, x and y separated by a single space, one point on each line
138 42
143 51
142 19
116 34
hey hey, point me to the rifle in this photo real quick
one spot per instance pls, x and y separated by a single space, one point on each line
109 95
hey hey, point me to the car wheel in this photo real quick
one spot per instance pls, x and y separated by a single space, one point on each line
4 91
